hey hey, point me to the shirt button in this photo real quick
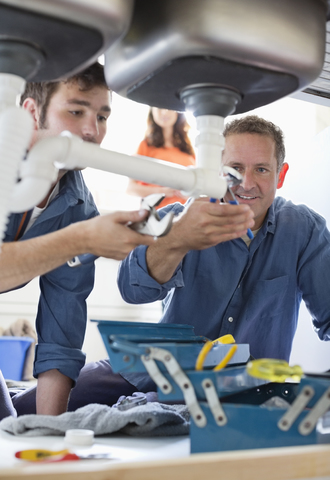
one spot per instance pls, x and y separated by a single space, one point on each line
230 319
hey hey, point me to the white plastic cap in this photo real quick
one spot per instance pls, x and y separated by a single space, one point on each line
80 437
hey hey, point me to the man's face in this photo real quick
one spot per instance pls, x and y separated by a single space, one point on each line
253 156
83 113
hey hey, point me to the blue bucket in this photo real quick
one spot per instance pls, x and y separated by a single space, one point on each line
12 356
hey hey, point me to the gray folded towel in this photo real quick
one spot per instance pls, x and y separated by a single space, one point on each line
151 419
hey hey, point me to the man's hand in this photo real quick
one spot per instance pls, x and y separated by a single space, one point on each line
202 225
205 224
110 236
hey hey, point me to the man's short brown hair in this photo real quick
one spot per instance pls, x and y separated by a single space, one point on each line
42 92
254 124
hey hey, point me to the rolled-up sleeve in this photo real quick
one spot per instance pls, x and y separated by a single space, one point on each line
137 286
61 319
62 309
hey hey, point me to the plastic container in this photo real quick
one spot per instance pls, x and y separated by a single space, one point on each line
12 356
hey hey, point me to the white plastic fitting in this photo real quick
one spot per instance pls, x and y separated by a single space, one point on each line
79 437
11 86
38 172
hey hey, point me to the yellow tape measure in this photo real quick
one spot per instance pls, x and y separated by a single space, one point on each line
274 370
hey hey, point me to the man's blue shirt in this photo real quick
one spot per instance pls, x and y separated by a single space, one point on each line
252 293
62 312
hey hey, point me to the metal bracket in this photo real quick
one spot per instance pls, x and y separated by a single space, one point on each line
180 378
319 409
214 402
296 408
156 374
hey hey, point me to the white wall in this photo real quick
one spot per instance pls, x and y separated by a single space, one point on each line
311 186
307 140
104 303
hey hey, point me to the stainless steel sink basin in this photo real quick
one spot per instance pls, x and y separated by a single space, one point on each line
62 36
262 49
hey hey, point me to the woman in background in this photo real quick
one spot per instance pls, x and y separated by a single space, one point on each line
166 139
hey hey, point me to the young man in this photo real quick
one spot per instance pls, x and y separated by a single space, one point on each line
60 227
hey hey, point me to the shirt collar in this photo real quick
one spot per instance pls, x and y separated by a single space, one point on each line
270 221
72 183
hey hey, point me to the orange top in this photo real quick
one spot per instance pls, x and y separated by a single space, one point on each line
169 154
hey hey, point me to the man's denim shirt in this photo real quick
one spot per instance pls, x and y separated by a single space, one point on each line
252 293
62 312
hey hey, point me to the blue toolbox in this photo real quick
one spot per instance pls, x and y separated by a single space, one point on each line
235 402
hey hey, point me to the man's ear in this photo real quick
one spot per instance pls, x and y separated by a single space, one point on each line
281 177
30 105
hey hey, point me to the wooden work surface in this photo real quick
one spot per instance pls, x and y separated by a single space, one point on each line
167 459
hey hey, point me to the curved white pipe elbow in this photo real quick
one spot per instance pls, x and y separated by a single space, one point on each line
210 183
38 173
29 193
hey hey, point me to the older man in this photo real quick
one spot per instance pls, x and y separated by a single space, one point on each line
212 276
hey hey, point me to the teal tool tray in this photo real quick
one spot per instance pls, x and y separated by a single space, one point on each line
127 341
251 423
229 409
145 330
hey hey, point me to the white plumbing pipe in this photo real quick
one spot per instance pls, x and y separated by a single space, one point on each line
192 181
209 142
16 128
70 152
